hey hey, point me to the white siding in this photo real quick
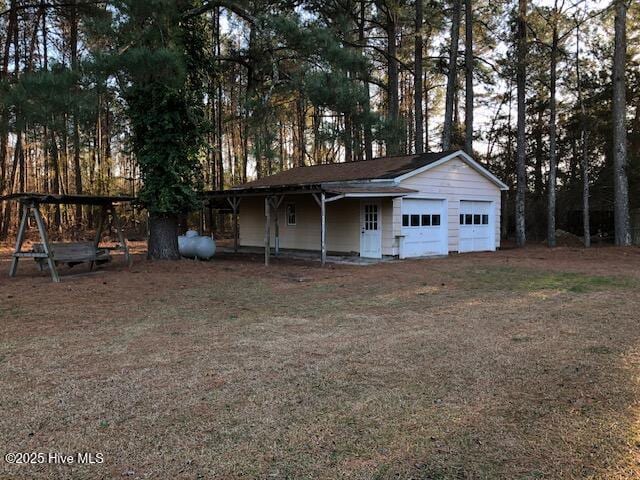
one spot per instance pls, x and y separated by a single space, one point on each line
389 246
453 181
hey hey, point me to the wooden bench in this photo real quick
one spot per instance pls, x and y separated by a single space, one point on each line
72 253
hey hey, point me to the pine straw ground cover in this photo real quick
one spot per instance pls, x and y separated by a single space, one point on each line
514 365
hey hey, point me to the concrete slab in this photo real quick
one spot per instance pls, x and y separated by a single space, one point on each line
310 256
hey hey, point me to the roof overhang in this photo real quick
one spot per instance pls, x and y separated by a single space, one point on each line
344 190
369 191
263 191
464 157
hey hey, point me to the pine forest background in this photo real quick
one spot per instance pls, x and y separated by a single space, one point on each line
303 82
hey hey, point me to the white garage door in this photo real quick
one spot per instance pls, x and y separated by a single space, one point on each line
476 227
424 226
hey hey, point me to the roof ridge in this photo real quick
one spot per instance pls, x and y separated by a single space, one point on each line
444 153
377 168
353 161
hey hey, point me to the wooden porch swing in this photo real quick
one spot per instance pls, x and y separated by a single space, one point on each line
48 254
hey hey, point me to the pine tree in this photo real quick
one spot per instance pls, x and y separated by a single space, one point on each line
162 64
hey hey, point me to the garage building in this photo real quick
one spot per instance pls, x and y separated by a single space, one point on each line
405 206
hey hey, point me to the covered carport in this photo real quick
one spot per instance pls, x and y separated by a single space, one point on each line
273 196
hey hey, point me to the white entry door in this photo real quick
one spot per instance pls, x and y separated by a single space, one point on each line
424 227
370 230
477 226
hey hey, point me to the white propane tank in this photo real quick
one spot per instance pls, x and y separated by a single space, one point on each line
192 245
185 246
205 247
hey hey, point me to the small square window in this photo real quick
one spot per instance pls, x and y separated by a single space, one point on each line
461 219
415 220
426 220
405 220
291 214
485 219
476 219
435 220
468 219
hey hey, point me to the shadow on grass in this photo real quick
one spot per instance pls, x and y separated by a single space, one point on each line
530 280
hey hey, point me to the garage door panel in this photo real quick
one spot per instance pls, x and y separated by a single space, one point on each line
424 226
476 226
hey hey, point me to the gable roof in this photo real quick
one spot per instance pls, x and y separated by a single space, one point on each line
382 168
378 168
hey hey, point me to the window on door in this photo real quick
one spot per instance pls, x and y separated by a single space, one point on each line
291 214
371 217
424 220
475 219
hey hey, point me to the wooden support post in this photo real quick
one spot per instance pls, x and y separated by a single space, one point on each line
235 204
121 237
267 230
102 216
323 230
210 219
275 202
277 230
236 239
45 243
23 226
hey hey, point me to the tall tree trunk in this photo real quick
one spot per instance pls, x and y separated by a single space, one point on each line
426 114
301 115
505 217
468 65
521 161
538 181
22 183
219 106
77 169
55 165
245 151
393 146
368 134
584 136
620 182
45 66
452 77
281 136
551 190
4 114
348 138
417 81
366 126
17 154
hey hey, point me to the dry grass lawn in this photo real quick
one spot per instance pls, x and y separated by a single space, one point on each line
514 365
